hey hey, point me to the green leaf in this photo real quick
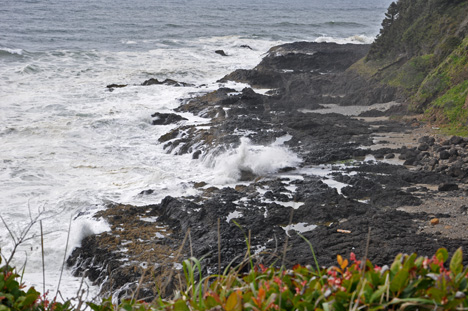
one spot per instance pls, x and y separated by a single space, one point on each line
378 293
28 300
9 297
418 262
396 265
337 306
374 278
188 271
442 254
463 283
95 307
367 291
305 306
456 264
210 302
436 294
409 262
342 296
399 281
127 305
180 305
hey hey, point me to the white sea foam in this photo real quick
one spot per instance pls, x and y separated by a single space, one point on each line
356 39
259 160
12 51
85 226
299 227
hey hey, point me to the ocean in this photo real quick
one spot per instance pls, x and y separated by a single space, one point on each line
69 146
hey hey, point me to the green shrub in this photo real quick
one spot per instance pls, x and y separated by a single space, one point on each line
420 283
14 298
409 283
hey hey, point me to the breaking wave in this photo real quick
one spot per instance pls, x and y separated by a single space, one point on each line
10 52
254 159
356 39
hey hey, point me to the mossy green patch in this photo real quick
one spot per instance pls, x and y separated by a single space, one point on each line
410 76
451 109
367 69
432 85
453 70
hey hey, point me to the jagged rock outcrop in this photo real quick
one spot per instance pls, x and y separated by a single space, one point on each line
303 73
166 118
170 82
447 156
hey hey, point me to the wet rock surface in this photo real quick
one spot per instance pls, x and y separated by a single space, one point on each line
170 82
447 156
221 52
113 86
334 188
166 118
307 74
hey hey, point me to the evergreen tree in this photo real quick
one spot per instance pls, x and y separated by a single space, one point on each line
390 16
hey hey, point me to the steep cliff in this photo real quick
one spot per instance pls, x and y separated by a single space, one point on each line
421 56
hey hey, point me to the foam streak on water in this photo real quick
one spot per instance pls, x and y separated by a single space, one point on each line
69 146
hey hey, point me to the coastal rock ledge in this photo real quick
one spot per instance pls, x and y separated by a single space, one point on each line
147 244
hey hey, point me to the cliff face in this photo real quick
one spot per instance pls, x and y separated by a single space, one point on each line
421 55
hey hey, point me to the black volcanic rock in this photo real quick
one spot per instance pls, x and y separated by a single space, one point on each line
448 187
303 72
171 82
112 86
312 57
166 118
221 52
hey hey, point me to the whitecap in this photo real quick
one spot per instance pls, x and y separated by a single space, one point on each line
356 39
4 50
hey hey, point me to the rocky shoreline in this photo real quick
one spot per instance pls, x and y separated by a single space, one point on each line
353 178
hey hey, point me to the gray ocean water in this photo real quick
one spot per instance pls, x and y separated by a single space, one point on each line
69 146
87 24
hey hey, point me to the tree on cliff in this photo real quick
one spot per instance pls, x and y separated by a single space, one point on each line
390 16
384 41
416 27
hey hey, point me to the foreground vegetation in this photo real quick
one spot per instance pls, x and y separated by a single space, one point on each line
409 283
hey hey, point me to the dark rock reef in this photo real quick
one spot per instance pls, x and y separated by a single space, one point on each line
302 73
166 118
